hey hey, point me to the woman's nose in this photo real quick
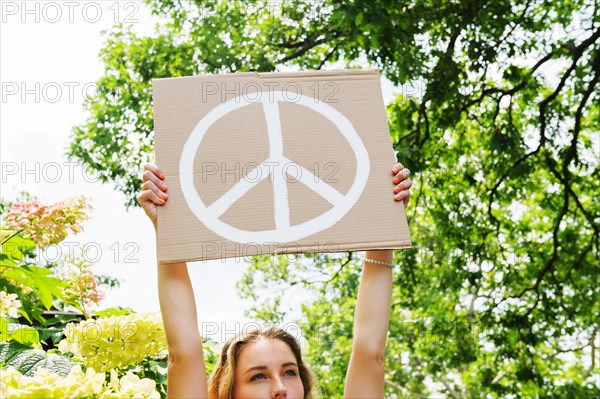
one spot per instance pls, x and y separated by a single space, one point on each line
279 390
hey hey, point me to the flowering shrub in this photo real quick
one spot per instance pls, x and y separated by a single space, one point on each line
81 284
48 224
30 224
77 384
9 305
115 341
119 348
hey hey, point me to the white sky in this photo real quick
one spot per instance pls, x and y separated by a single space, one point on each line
48 54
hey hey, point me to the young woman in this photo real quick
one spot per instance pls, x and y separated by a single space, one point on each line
267 363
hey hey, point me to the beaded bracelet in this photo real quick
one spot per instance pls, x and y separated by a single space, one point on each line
379 262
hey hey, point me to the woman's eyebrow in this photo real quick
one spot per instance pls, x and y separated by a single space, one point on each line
255 368
286 364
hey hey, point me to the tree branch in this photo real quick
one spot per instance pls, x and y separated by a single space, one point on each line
555 244
592 344
328 56
451 390
306 45
577 53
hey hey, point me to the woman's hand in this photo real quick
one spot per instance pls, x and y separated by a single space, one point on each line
402 182
153 190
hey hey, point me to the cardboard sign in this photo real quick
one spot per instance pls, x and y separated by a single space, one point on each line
265 163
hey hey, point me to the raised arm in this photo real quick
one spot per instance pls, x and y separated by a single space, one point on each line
365 376
186 371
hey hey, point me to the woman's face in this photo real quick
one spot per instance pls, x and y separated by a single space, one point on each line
267 369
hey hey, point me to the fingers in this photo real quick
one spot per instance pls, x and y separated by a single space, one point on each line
403 186
149 196
149 185
152 187
155 170
402 183
402 190
403 195
397 168
149 176
401 175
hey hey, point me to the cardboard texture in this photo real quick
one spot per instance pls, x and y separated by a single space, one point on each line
263 163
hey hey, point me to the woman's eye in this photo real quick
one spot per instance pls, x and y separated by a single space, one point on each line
257 377
290 372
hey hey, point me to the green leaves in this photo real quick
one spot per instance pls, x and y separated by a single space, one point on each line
36 278
17 349
20 333
27 360
15 271
14 248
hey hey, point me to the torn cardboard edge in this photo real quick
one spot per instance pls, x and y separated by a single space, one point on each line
339 74
289 249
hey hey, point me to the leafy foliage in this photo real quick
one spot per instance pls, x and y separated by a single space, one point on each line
27 360
498 119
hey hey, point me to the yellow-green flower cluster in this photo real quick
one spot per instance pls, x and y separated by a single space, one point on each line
9 305
45 384
77 384
130 386
115 341
48 224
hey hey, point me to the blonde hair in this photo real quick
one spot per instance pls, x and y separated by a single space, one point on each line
222 380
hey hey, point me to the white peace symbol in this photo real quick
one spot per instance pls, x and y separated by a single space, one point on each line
283 232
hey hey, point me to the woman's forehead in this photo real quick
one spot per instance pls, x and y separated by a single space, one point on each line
265 351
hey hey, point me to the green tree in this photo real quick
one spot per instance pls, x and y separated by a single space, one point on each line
498 119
